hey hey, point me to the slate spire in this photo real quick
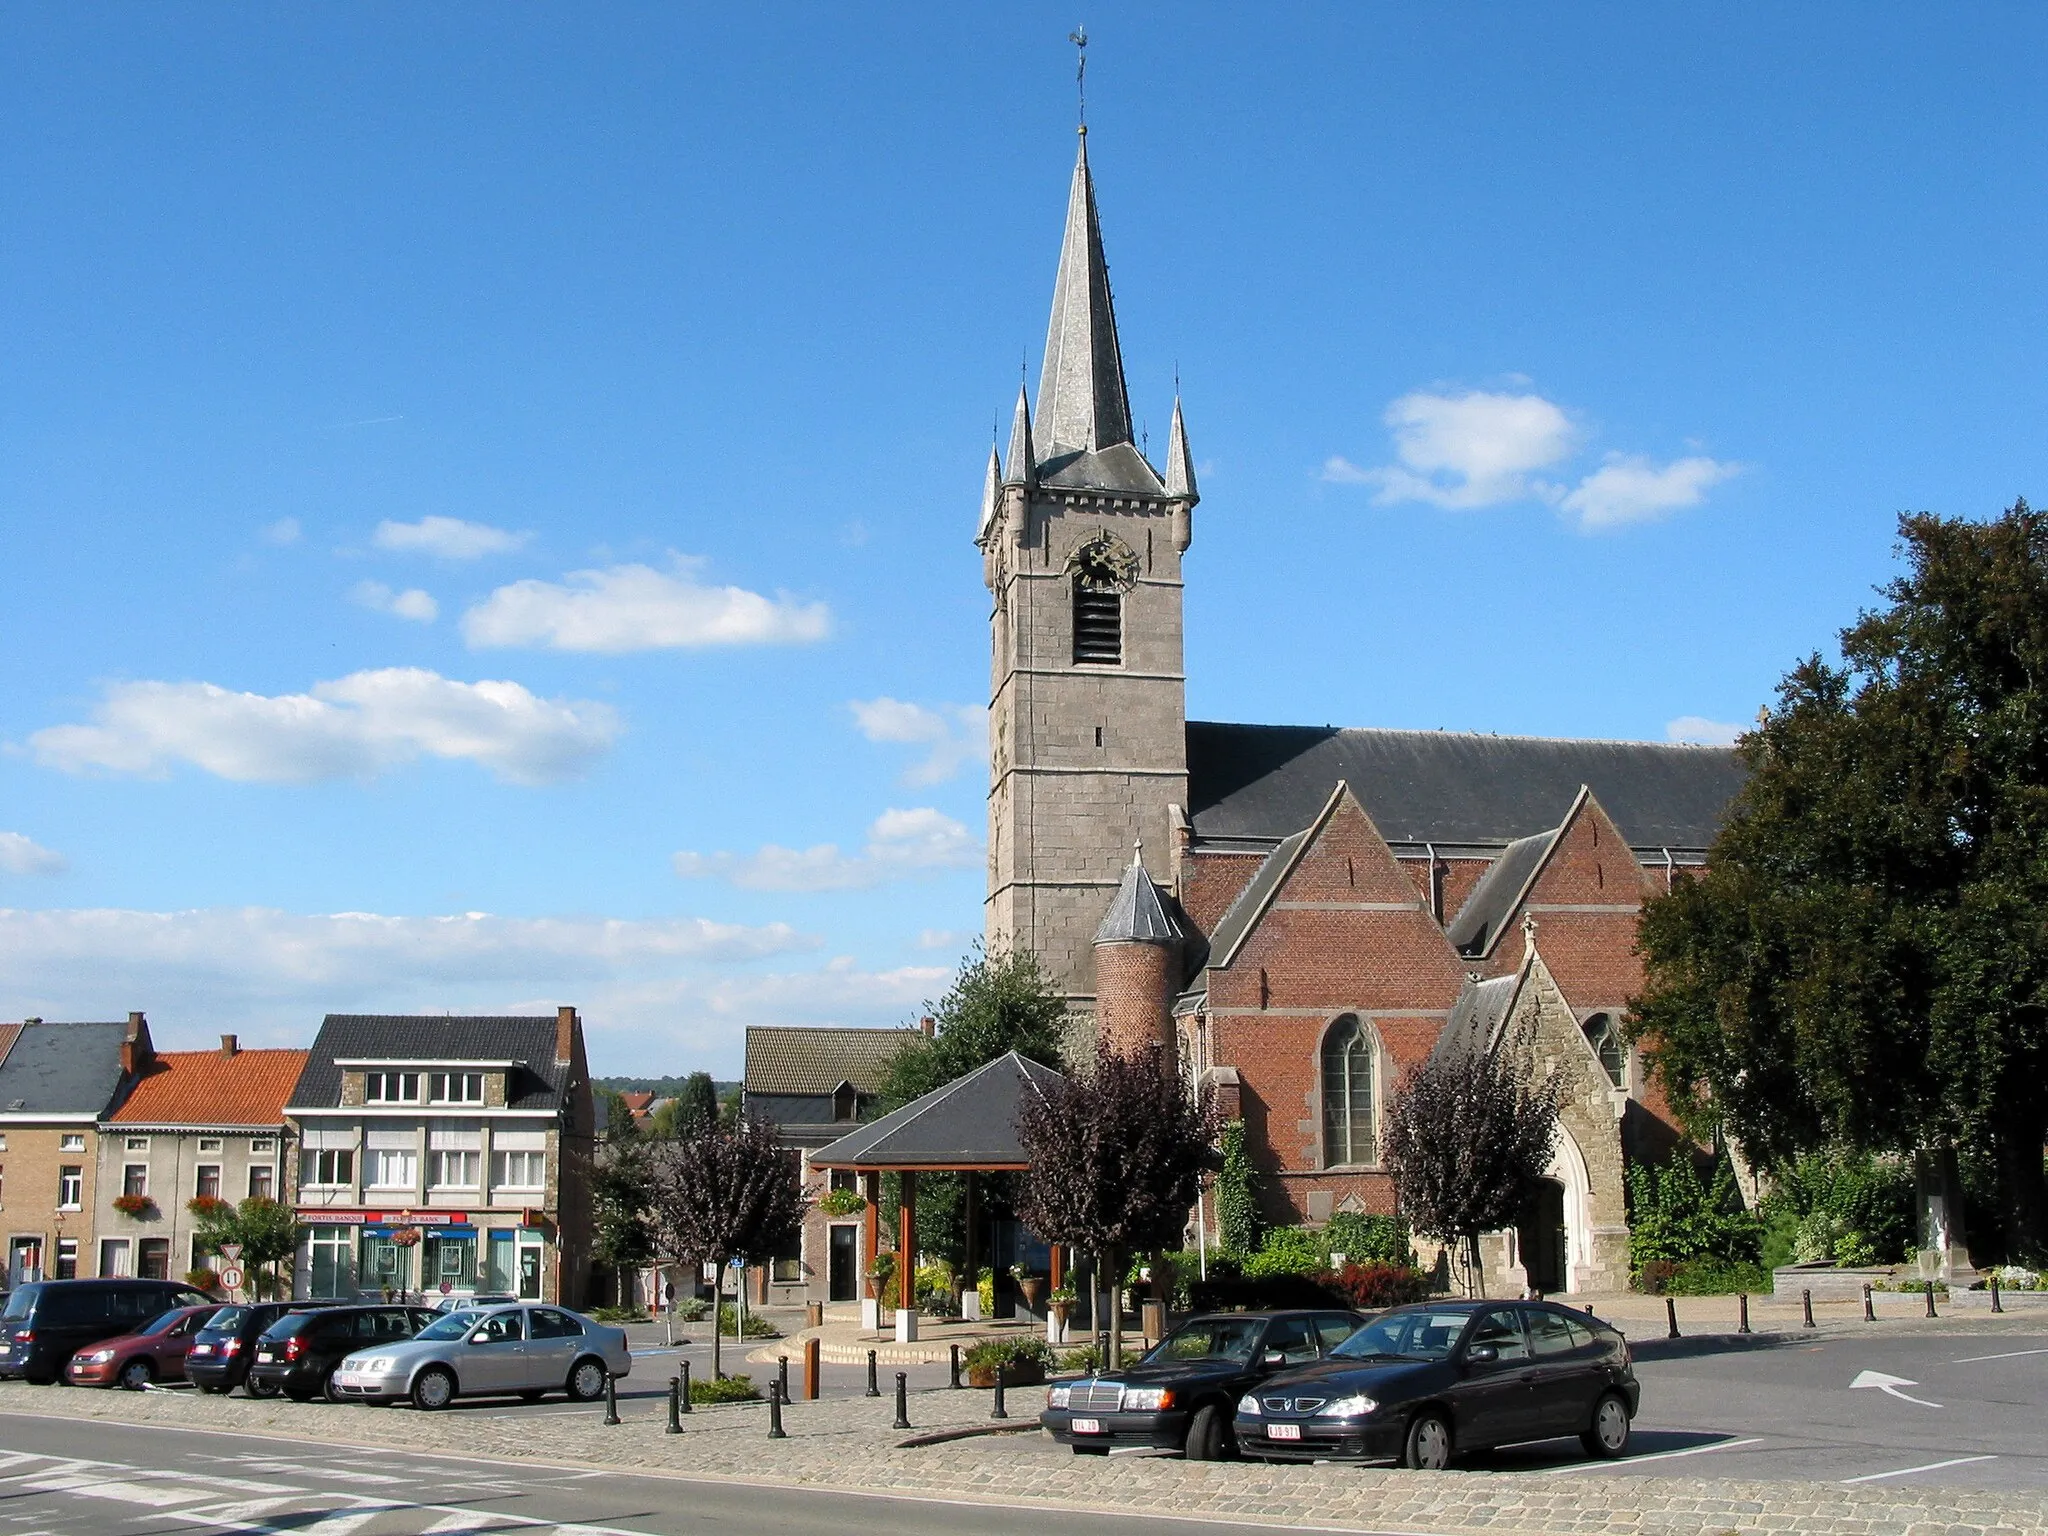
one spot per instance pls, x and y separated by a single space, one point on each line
1138 915
1180 464
1020 470
991 493
1082 403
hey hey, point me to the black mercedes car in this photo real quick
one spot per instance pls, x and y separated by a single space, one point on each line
1180 1396
1423 1383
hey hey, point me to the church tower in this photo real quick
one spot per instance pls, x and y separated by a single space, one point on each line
1081 542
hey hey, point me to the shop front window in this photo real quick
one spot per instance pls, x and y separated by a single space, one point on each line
449 1261
333 1262
386 1265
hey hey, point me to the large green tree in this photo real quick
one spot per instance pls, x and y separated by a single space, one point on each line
1865 959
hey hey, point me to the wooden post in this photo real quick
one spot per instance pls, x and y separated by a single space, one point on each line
811 1371
871 1222
1058 1266
973 1216
906 1242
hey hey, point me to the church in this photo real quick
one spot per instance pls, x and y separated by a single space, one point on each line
1299 914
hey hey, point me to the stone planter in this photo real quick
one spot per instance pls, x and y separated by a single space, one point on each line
1019 1373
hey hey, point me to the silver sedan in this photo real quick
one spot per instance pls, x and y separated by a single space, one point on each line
529 1350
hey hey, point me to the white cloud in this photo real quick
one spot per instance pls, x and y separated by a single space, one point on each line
285 530
20 855
450 538
1701 731
1471 450
413 603
1628 488
900 844
353 727
637 608
956 734
943 938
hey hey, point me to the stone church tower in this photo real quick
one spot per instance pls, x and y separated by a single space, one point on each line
1081 542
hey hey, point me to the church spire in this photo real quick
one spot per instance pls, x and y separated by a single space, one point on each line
1180 464
1082 404
991 496
1019 469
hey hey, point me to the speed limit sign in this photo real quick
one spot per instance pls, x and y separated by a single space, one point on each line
232 1277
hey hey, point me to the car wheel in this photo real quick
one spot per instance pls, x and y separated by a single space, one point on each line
432 1389
1091 1450
136 1374
39 1381
533 1394
1608 1436
1208 1435
330 1391
256 1386
586 1379
1428 1448
299 1394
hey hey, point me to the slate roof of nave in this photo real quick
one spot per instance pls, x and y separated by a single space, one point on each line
1256 784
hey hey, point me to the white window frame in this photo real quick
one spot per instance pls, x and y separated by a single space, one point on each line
437 1168
502 1165
71 1181
128 1169
71 1141
263 1146
375 1160
455 1087
377 1087
136 1144
209 1144
329 1159
199 1172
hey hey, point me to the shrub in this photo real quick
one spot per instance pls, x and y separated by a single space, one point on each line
755 1327
1287 1251
207 1280
1369 1287
990 1353
934 1279
939 1304
985 1289
2012 1277
723 1389
692 1309
842 1202
1839 1205
616 1315
1369 1239
1086 1358
1237 1206
1674 1215
1705 1276
1228 1293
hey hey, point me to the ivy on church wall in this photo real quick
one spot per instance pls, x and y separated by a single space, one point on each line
1237 1208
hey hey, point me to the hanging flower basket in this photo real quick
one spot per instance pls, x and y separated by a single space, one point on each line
406 1237
135 1207
842 1202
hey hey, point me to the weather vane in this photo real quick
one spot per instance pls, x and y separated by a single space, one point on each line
1079 38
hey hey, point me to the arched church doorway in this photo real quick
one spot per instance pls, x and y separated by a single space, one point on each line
1541 1237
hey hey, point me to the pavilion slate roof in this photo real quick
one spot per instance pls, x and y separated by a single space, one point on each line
970 1122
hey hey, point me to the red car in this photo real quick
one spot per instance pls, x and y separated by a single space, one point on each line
154 1352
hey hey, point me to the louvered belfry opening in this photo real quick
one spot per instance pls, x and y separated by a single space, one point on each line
1098 624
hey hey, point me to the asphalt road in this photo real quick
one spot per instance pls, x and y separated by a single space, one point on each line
84 1478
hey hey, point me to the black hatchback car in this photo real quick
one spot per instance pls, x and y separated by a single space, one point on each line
298 1353
218 1360
1181 1395
1423 1383
47 1321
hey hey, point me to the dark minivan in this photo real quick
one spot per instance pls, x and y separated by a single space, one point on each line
219 1358
299 1352
47 1321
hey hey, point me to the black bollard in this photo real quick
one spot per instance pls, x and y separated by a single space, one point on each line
955 1382
1869 1309
1996 1304
1928 1287
999 1411
902 1401
611 1399
675 1405
782 1375
775 1429
686 1386
1806 1307
1670 1318
873 1390
1742 1313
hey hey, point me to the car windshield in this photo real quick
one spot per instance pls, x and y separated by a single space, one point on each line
453 1326
158 1323
226 1320
22 1302
1209 1338
1407 1336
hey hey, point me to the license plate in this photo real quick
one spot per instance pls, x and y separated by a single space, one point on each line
263 1354
1283 1431
1087 1426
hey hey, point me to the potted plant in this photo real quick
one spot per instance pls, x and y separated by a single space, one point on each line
135 1207
880 1273
1060 1302
1023 1361
406 1237
1029 1286
842 1202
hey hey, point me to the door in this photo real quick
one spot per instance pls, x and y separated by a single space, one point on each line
494 1359
1291 1338
553 1341
1540 1234
529 1268
24 1261
1569 1373
843 1266
1493 1397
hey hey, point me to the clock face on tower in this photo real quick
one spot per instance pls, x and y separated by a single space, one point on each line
1105 563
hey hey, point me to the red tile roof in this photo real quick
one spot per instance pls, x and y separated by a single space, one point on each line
210 1088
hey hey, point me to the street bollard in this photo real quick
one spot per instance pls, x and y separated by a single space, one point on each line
1996 1304
1806 1307
1000 1411
902 1401
873 1390
1742 1312
782 1375
1869 1309
611 1399
1670 1318
686 1386
1102 1351
775 1429
955 1382
814 1371
1928 1287
675 1405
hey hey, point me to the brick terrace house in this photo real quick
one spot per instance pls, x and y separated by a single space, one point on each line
813 1085
1309 909
445 1155
56 1082
190 1124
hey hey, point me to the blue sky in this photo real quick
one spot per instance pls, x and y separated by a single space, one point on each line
487 494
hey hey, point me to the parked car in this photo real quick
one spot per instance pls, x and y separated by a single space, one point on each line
154 1352
297 1354
46 1322
218 1360
1424 1383
473 1303
1183 1394
528 1350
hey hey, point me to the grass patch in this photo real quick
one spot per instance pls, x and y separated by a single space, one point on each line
725 1389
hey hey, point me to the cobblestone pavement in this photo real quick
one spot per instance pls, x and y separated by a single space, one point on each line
849 1444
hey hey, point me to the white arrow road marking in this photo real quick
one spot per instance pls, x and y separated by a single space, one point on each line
1889 1385
1932 1466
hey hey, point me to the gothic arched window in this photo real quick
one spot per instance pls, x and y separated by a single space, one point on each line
1607 1045
1349 1135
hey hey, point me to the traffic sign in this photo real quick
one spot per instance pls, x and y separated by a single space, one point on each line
233 1251
232 1277
447 1286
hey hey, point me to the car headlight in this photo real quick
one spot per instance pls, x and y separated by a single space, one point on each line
98 1357
1059 1397
1355 1407
1146 1399
1249 1405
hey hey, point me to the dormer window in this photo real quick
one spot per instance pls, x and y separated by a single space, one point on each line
391 1087
455 1087
845 1102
